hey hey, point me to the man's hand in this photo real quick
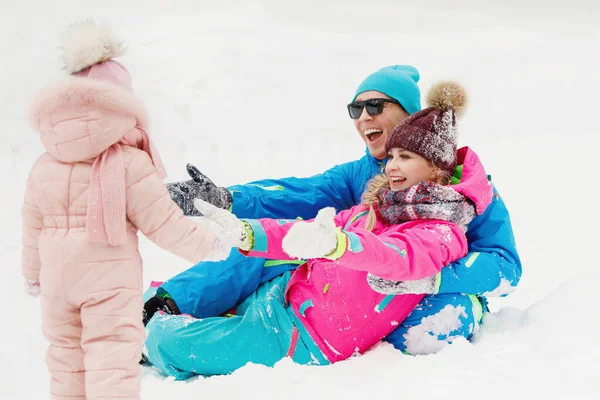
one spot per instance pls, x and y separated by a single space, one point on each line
199 187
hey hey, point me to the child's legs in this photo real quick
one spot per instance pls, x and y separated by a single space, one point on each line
113 332
61 326
181 346
435 322
209 289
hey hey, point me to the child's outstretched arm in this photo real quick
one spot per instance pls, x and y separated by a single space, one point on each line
32 228
151 209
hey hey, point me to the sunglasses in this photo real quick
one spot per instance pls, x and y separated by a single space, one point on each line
373 106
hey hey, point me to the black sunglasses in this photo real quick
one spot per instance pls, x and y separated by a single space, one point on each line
374 107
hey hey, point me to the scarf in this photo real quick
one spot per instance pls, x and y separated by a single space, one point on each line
425 200
106 214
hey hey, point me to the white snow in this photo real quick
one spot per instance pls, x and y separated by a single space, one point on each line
248 90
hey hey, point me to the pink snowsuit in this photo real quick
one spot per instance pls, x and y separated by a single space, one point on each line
91 292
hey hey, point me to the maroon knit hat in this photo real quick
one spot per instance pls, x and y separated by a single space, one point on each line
432 132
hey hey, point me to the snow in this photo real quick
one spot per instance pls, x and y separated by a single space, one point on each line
247 90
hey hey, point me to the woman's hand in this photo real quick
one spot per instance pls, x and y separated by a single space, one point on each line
314 239
429 285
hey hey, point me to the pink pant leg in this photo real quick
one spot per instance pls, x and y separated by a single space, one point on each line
113 333
61 326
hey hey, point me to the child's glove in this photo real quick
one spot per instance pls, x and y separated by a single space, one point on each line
32 287
230 230
199 187
429 285
314 239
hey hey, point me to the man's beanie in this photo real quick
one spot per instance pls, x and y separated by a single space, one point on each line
432 132
398 82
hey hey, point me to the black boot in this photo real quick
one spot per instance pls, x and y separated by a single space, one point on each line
159 303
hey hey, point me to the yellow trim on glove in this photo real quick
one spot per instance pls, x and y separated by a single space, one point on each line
340 249
248 237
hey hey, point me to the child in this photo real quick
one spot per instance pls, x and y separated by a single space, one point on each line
409 226
98 183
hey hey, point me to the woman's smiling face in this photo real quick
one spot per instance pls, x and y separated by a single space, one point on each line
405 169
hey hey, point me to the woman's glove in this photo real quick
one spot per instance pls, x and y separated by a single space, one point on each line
199 187
229 230
429 285
32 287
314 239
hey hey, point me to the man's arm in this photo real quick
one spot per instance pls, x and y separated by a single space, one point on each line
296 197
339 187
493 266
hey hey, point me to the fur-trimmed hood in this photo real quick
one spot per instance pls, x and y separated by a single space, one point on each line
79 118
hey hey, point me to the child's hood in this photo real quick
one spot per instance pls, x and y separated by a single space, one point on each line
474 183
79 118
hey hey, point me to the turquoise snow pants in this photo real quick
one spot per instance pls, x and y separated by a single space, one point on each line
262 332
209 289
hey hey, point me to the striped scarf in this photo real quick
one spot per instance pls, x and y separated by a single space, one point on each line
425 200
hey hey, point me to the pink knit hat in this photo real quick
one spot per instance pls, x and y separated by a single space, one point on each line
110 71
88 52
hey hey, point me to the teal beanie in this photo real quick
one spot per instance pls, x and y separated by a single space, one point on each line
398 82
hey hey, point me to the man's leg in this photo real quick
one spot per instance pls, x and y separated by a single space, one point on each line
209 289
437 321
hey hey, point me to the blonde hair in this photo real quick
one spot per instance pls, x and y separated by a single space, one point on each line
382 181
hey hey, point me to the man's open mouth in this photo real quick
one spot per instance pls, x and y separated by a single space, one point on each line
373 134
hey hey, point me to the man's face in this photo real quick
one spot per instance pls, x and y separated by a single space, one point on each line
374 130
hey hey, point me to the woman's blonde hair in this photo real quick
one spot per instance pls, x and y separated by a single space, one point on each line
382 181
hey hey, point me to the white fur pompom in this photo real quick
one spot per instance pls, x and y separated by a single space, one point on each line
86 43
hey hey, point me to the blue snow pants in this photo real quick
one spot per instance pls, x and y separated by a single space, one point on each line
209 289
263 331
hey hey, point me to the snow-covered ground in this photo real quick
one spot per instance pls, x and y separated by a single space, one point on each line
248 90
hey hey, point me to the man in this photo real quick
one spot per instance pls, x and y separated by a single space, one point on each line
456 300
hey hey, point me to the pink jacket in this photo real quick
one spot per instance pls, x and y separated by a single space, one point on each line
333 300
78 119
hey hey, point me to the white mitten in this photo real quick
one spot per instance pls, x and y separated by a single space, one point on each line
312 239
229 230
429 285
32 287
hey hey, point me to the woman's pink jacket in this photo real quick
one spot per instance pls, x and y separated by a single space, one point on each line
332 299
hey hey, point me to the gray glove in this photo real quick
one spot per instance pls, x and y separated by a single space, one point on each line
429 285
199 187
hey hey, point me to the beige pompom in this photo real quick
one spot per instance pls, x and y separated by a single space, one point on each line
446 96
87 43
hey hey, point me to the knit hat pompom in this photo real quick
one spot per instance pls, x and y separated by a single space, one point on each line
85 43
447 96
